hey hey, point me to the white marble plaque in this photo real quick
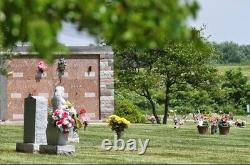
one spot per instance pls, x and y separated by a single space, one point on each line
89 94
43 94
66 74
15 95
17 116
18 74
44 74
89 74
66 95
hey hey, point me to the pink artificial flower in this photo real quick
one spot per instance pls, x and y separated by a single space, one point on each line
72 121
65 122
41 65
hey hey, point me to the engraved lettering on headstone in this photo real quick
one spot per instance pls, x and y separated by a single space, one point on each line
18 74
89 94
16 95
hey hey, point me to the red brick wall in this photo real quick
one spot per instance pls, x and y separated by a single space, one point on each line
82 87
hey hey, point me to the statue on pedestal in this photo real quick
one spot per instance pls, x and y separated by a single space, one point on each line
58 102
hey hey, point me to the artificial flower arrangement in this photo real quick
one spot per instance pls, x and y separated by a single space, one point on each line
240 123
118 124
62 120
84 118
214 119
41 66
202 120
61 65
65 119
224 121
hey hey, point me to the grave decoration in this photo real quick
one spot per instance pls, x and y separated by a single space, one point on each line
202 123
62 121
118 124
214 119
224 124
84 118
41 66
61 66
63 118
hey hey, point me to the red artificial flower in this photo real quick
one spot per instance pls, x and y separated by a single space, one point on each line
82 111
65 114
59 122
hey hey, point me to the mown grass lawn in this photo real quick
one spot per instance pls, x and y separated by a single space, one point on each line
167 145
244 68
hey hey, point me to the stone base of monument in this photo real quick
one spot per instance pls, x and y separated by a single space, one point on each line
27 147
56 149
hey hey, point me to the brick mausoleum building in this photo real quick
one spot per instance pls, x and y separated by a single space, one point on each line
88 81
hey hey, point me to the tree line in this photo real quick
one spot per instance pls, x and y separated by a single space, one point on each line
232 53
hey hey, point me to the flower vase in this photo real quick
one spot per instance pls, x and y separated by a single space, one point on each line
213 129
55 136
202 129
119 134
224 130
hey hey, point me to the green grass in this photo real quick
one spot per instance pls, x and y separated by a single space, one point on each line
167 145
244 68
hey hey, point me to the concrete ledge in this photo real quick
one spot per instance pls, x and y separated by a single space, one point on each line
27 147
58 150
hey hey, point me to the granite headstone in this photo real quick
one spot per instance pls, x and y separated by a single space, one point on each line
35 124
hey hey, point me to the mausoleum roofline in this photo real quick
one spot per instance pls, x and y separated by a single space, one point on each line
79 50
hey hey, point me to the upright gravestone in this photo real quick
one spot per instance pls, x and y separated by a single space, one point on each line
35 124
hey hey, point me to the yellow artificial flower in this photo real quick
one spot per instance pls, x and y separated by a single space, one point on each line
69 104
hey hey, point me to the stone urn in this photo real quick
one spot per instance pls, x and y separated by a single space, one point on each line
202 129
55 137
224 130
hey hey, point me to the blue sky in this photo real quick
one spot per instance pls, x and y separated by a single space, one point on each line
225 20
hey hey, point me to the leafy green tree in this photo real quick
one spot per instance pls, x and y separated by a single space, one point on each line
133 70
237 87
184 64
118 22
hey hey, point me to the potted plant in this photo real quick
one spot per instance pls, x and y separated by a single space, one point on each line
118 124
203 127
202 123
224 125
